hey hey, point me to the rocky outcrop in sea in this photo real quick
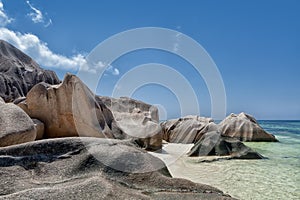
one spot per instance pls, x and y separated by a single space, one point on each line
245 128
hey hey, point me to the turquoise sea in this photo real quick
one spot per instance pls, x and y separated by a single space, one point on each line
277 177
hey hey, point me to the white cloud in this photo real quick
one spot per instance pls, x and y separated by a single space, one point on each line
176 44
39 51
112 70
49 23
37 16
116 72
4 19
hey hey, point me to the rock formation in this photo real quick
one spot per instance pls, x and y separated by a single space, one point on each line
137 119
19 73
203 132
91 168
70 109
214 144
40 129
187 129
245 128
15 125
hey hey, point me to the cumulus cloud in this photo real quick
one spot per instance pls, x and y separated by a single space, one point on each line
4 19
37 16
39 51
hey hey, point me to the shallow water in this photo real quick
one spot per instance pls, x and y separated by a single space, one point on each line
277 177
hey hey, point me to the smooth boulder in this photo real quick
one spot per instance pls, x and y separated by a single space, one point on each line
91 168
16 127
245 128
137 119
214 144
70 109
186 130
19 73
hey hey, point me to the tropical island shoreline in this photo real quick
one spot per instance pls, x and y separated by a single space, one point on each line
58 135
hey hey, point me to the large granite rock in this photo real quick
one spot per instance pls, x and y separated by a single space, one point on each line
203 132
187 129
70 109
214 144
245 128
91 168
15 125
137 119
19 73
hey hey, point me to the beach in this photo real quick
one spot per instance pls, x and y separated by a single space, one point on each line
277 177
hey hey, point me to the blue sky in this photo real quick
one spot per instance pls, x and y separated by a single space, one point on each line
255 44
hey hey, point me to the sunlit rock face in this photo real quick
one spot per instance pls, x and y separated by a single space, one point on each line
16 127
245 128
137 119
70 109
187 129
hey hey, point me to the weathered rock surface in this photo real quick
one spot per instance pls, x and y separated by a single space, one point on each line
245 128
21 102
70 109
186 130
137 119
40 129
15 125
203 132
91 168
19 73
214 144
1 101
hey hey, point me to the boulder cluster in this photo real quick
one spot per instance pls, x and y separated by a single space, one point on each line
70 142
223 139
